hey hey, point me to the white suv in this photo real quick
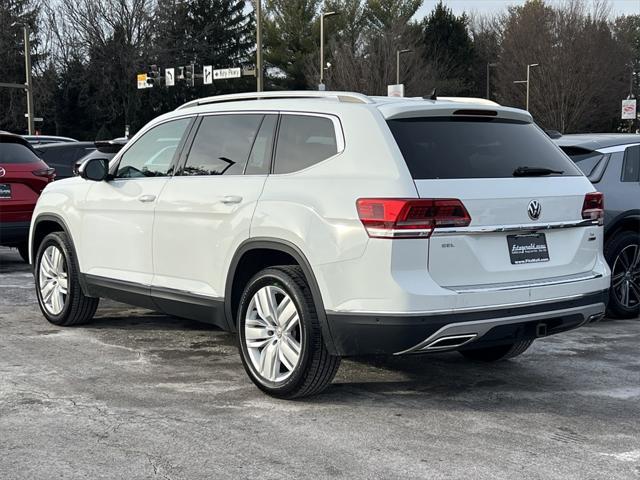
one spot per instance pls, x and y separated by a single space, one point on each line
326 224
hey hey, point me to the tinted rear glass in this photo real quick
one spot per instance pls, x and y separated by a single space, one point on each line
450 147
16 153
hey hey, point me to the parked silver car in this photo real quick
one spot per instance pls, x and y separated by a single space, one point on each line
612 163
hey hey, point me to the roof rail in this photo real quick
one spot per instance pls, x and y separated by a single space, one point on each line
345 97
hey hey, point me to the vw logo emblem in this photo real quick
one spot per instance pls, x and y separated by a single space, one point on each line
2 172
534 209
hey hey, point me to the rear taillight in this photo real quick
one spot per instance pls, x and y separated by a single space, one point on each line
593 207
410 218
49 173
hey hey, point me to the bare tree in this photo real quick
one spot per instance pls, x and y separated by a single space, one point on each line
578 80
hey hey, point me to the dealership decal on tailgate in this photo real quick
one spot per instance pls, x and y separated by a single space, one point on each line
5 190
530 248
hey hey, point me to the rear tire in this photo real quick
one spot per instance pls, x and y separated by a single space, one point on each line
624 296
279 335
493 354
58 289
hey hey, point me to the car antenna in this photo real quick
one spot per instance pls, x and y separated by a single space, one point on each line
432 95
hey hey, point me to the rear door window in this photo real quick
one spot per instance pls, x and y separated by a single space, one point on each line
464 147
11 152
222 144
303 141
631 165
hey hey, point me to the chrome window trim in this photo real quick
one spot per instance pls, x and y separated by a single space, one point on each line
526 227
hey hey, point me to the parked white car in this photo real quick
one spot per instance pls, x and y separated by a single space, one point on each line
326 224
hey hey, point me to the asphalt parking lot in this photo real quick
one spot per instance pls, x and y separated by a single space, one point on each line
142 395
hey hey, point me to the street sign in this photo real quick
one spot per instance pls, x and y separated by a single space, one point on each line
142 81
248 71
169 77
396 90
224 73
629 109
207 74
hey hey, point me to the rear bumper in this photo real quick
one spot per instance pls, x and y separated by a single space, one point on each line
365 334
14 233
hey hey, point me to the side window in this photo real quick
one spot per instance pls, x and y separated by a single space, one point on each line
631 165
151 155
222 145
304 140
260 158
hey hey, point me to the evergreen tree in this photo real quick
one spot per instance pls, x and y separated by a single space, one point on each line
220 33
449 47
291 38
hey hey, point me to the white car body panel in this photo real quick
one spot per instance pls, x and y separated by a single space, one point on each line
198 227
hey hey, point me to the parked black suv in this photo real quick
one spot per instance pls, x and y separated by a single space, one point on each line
612 163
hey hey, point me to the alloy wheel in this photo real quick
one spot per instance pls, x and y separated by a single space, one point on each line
53 280
273 334
625 276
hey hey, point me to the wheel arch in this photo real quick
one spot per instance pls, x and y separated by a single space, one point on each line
274 249
43 225
629 220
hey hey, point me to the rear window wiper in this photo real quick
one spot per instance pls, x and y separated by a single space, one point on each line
535 172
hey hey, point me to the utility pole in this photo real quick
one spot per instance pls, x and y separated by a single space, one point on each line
322 17
527 81
489 66
259 78
398 53
29 83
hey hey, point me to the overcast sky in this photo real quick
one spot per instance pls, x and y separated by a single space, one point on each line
490 6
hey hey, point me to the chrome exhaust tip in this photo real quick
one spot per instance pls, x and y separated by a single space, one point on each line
449 342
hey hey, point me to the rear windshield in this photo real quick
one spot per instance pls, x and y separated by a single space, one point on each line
16 153
463 147
586 160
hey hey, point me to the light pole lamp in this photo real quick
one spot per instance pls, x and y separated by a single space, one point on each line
398 53
489 67
322 17
527 81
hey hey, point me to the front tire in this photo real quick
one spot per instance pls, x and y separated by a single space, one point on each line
280 338
623 256
501 352
57 285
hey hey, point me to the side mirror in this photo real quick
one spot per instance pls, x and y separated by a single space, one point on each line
95 169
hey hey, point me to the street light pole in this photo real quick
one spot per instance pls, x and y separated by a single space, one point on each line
527 81
489 66
398 53
259 77
322 17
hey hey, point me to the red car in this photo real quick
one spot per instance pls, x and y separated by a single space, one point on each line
23 176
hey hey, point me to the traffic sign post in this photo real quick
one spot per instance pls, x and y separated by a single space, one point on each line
629 109
169 77
142 81
396 90
225 73
207 74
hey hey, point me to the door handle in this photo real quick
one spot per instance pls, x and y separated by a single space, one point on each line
229 199
146 198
